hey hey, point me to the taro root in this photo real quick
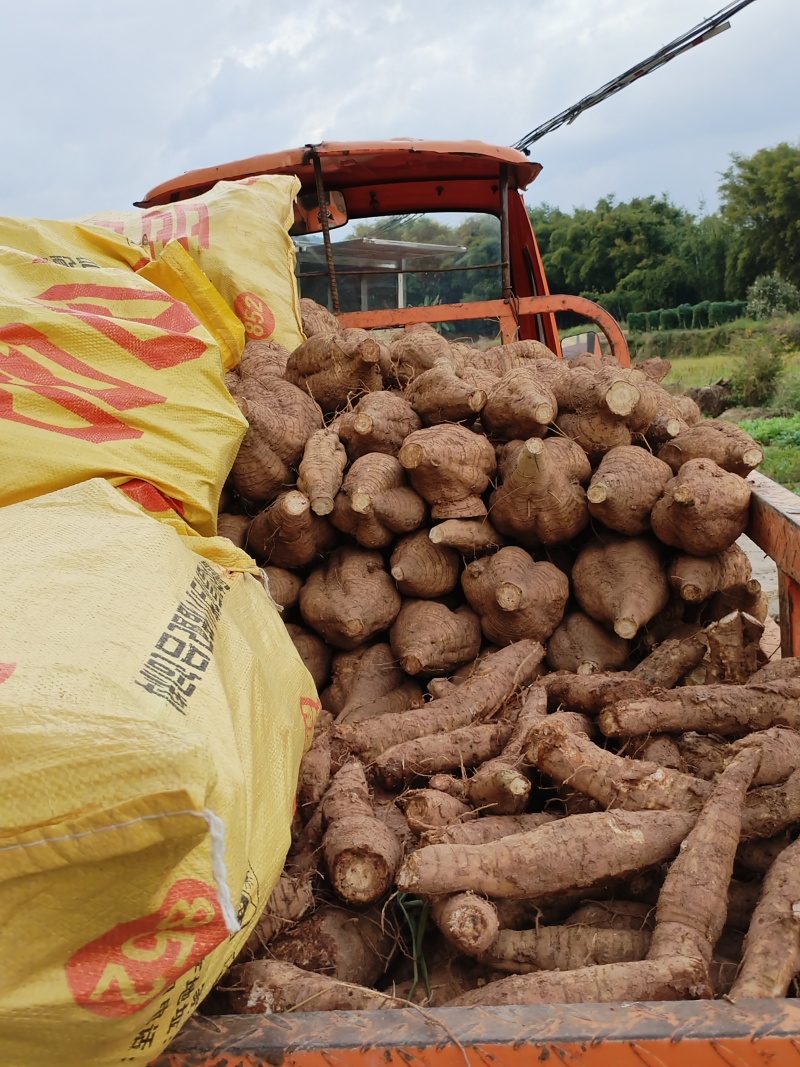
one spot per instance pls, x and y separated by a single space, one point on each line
582 645
334 367
375 503
625 487
519 406
450 467
427 637
288 533
619 581
540 499
349 598
514 596
702 510
379 422
423 568
724 443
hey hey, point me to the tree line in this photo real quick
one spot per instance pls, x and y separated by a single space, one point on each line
638 255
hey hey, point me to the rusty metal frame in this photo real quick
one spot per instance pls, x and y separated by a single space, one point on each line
775 527
663 1034
506 312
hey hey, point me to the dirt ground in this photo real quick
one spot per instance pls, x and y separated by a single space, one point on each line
764 570
767 573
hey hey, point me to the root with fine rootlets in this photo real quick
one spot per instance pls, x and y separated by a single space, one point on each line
428 637
726 444
361 852
712 709
583 646
450 467
514 596
427 651
703 509
692 909
334 367
423 568
349 597
540 499
772 946
615 781
491 684
288 533
266 986
437 753
663 979
499 786
580 851
379 422
564 948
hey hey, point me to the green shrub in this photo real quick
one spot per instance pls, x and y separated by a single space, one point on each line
719 337
786 397
637 321
668 319
685 316
755 378
700 315
788 334
771 295
653 319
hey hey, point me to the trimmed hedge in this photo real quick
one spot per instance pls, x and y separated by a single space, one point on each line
700 315
687 316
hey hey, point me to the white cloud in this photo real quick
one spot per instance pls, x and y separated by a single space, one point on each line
118 99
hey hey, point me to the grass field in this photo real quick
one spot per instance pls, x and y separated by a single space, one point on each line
695 371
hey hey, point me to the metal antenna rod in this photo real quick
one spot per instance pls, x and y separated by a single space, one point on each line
703 32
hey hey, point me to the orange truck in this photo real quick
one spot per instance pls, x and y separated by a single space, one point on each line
341 183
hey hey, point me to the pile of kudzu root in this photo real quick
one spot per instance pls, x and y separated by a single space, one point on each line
552 762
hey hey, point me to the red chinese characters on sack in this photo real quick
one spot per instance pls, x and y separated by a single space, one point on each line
128 967
179 222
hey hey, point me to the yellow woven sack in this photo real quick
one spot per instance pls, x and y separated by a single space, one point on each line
154 712
104 373
238 234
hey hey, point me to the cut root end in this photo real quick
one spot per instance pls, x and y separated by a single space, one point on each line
508 596
596 494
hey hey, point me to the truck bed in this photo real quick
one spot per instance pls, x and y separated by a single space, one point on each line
658 1034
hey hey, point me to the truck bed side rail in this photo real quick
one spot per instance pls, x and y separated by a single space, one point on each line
775 527
507 312
664 1034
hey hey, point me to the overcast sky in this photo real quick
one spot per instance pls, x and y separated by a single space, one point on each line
103 100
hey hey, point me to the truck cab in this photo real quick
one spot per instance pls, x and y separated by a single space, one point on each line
346 182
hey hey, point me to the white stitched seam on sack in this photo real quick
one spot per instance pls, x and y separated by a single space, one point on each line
216 828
